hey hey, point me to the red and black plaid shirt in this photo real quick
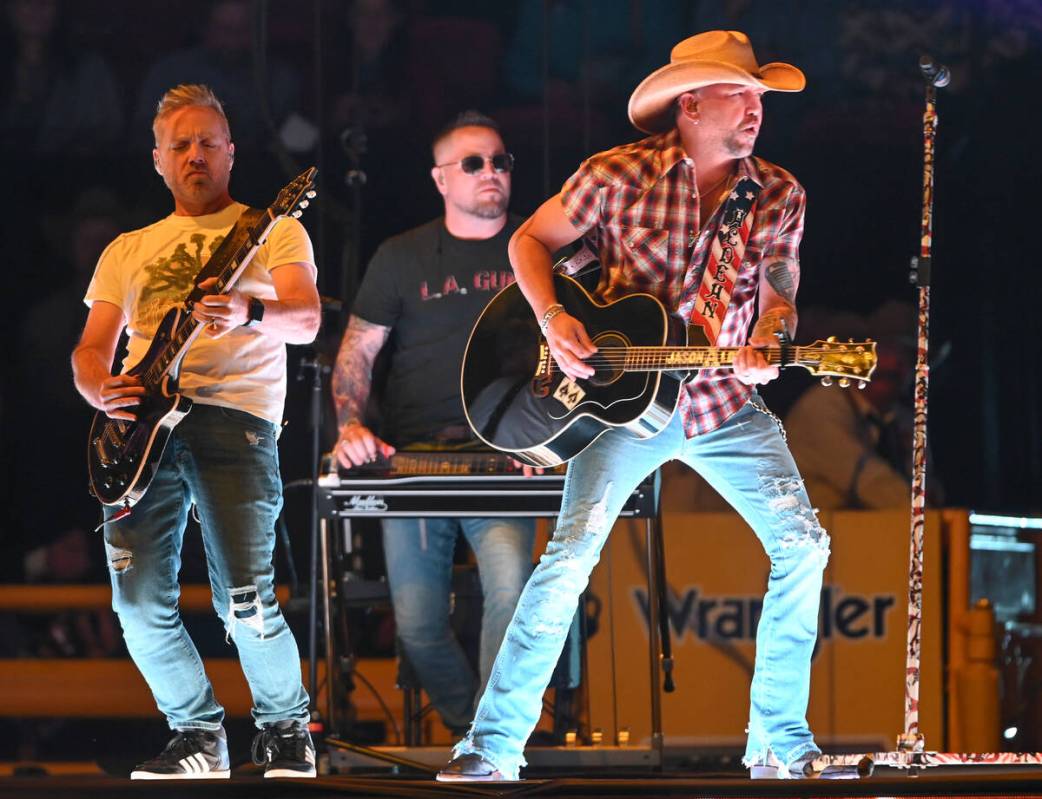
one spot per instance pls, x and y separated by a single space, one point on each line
637 205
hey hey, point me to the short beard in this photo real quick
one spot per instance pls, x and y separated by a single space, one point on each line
737 149
486 209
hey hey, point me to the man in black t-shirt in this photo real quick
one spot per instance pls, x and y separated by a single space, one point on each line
423 291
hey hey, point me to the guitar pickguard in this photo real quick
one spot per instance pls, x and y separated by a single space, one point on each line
604 401
569 393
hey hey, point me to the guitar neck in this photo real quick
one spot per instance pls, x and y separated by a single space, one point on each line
659 359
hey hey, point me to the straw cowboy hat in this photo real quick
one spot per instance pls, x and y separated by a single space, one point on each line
712 57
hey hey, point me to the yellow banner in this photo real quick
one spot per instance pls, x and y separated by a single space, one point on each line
716 573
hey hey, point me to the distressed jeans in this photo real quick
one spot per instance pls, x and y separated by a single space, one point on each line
747 461
419 570
224 461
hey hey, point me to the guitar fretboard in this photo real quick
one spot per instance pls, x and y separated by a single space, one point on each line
657 359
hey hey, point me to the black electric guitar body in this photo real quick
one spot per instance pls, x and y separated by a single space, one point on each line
123 456
518 401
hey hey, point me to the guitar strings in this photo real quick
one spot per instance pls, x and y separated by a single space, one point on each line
726 371
654 357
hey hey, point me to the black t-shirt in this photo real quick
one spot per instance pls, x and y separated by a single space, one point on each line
429 287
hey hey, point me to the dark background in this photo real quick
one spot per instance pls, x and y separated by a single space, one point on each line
369 81
375 78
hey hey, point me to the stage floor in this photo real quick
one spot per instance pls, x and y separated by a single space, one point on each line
951 782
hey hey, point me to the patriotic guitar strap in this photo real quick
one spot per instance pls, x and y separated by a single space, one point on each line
725 259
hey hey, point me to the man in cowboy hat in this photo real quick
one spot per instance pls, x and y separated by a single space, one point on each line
689 216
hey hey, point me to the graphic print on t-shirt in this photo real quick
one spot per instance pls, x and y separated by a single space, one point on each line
171 278
483 280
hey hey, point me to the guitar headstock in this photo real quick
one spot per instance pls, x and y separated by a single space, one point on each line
293 199
846 360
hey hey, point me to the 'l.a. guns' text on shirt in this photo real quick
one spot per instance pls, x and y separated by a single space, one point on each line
735 618
482 281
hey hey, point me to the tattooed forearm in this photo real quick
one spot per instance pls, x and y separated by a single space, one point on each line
783 277
353 372
779 319
778 283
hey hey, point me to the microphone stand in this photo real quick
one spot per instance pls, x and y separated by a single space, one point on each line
911 750
312 363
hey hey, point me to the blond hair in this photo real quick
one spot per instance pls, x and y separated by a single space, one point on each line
183 96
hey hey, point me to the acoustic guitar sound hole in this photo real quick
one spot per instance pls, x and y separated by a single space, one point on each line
608 365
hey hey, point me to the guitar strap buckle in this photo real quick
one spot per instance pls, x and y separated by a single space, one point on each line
581 263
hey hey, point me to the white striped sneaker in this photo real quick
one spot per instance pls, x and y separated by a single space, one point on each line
285 750
190 755
803 769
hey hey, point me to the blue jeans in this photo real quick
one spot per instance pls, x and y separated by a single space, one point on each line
419 571
225 462
747 461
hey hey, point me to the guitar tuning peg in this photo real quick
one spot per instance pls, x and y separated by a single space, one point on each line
311 194
861 384
826 381
304 203
296 214
831 339
844 382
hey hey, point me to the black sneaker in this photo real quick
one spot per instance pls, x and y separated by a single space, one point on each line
190 755
285 750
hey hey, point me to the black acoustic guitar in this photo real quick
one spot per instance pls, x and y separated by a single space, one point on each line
122 456
517 399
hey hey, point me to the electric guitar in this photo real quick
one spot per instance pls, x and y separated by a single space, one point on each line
123 456
517 399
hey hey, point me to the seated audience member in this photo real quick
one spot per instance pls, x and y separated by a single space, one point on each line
854 447
56 97
223 59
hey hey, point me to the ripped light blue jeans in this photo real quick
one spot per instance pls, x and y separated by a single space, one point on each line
224 461
419 571
747 461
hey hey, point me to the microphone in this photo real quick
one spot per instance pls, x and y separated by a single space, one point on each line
937 74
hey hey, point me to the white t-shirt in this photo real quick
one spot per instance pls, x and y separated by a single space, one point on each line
146 272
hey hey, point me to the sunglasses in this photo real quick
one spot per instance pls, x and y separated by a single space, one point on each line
472 164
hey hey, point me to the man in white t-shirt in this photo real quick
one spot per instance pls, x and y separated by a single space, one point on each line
221 458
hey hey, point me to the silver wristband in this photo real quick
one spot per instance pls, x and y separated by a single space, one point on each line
549 314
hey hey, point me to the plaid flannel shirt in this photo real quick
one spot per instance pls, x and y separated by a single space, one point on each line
637 205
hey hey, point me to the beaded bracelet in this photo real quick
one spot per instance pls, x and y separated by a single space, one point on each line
549 314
